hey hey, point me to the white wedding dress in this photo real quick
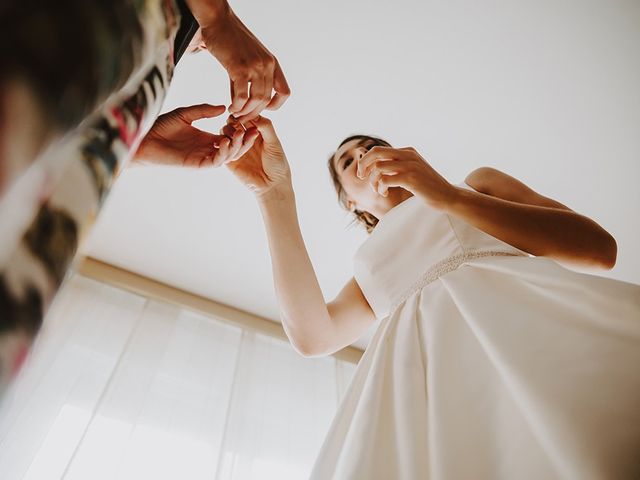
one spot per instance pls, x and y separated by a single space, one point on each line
487 364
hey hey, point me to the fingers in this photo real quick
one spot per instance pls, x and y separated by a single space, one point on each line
388 181
374 179
237 142
196 112
265 127
249 102
387 167
379 153
250 136
223 152
239 94
378 172
372 156
281 88
257 98
228 130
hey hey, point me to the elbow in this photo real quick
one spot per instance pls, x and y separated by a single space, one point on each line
610 253
480 178
306 343
308 349
606 254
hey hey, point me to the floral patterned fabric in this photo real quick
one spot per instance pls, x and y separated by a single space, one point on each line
103 96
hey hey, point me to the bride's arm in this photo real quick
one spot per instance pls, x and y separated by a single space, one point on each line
522 217
313 326
511 211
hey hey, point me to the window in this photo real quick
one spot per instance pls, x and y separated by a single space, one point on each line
120 386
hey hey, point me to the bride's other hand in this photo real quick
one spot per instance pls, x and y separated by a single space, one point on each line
263 168
387 167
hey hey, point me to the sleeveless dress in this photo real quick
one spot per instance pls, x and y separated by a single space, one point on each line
487 364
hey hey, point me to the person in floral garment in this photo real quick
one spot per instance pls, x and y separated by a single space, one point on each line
81 88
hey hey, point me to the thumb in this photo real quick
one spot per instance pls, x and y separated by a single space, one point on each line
268 133
197 112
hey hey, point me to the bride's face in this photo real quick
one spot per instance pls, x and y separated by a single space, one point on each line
360 194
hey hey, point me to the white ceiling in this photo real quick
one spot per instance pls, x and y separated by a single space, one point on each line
546 91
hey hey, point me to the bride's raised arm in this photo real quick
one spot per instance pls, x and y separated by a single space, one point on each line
314 327
509 210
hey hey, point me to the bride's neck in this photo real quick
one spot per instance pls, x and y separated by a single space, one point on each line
396 197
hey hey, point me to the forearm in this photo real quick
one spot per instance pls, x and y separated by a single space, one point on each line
207 12
303 309
560 234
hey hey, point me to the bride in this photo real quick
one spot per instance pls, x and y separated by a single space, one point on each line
491 360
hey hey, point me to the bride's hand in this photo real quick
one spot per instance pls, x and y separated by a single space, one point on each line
264 167
387 167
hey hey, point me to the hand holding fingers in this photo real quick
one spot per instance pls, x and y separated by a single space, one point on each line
281 87
254 71
240 141
239 93
259 97
255 98
237 141
250 136
267 132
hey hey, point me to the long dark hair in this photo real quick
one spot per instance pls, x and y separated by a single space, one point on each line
366 219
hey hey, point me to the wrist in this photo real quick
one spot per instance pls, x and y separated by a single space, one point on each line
276 194
139 157
455 198
208 12
145 154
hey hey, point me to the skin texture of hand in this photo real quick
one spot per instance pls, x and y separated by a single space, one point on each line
174 141
404 167
264 167
254 73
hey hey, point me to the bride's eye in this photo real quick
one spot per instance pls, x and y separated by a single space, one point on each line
347 163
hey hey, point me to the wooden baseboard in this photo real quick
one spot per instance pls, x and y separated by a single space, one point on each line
141 285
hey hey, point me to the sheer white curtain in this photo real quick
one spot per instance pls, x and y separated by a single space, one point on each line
122 387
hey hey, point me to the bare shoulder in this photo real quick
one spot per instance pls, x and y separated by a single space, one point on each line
491 181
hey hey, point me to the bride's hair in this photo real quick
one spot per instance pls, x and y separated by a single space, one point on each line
366 219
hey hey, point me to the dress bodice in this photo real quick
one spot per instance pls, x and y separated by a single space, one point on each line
412 245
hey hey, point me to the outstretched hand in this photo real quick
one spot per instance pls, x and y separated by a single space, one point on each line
173 140
263 168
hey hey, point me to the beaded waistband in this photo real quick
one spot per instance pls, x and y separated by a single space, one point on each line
445 266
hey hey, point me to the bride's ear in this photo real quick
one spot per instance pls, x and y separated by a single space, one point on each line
351 205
